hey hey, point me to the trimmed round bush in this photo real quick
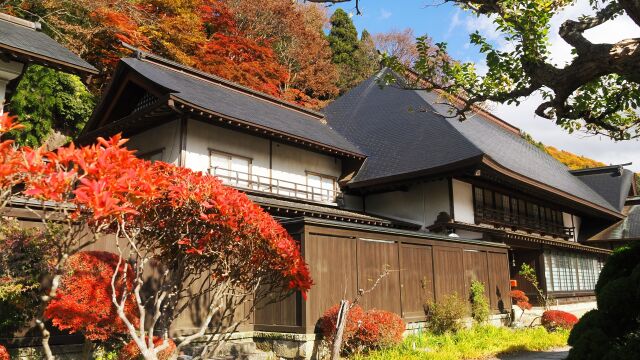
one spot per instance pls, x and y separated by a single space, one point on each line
553 320
612 331
327 326
132 352
379 329
364 331
446 315
4 354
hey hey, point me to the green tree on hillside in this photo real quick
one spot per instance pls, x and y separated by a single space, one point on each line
47 100
349 53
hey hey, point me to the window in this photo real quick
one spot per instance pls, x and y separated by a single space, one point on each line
321 187
507 210
571 272
232 169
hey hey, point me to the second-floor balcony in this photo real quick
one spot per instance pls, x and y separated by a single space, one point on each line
502 218
326 193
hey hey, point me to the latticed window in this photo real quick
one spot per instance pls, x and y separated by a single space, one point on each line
565 271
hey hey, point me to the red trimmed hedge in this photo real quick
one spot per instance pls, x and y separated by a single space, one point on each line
556 319
364 331
4 354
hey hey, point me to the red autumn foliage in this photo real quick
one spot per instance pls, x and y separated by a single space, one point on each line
521 300
214 217
557 319
363 331
4 354
182 218
327 324
380 329
132 352
83 301
198 33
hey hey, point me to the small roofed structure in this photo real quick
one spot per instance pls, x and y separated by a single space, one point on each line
22 43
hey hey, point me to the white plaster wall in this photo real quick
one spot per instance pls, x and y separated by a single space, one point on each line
353 202
568 221
165 137
463 201
289 163
469 234
292 164
203 137
577 222
420 204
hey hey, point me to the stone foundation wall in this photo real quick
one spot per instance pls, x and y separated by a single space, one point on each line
533 316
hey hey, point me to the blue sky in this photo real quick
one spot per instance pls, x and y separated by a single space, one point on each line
447 23
441 22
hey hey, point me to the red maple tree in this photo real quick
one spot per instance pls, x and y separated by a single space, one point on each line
180 225
83 302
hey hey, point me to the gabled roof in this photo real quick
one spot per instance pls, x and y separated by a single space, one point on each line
612 182
198 92
626 229
22 40
391 127
405 133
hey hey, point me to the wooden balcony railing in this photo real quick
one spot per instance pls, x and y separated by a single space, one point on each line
504 218
275 186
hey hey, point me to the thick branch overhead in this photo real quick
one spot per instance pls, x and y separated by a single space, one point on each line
597 91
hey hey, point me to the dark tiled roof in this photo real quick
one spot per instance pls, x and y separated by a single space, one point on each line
217 95
296 208
626 229
401 131
25 41
611 182
391 128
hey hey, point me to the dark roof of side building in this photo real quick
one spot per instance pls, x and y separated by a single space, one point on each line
405 131
295 208
612 182
22 39
626 229
222 98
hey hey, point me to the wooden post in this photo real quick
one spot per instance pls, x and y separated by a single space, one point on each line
341 321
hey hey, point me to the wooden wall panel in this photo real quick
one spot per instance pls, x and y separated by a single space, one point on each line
332 261
448 272
416 275
476 268
499 281
373 256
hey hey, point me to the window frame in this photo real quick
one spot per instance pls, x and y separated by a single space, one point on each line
334 179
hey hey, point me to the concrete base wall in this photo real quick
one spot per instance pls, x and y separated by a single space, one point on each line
533 316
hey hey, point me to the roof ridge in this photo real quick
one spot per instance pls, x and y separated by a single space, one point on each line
153 58
600 169
33 25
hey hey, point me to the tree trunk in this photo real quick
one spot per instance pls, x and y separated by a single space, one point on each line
45 340
341 321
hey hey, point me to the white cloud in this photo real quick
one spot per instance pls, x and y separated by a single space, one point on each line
454 24
384 14
596 147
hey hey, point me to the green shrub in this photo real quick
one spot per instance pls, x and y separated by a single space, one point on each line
479 302
446 315
613 330
24 254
